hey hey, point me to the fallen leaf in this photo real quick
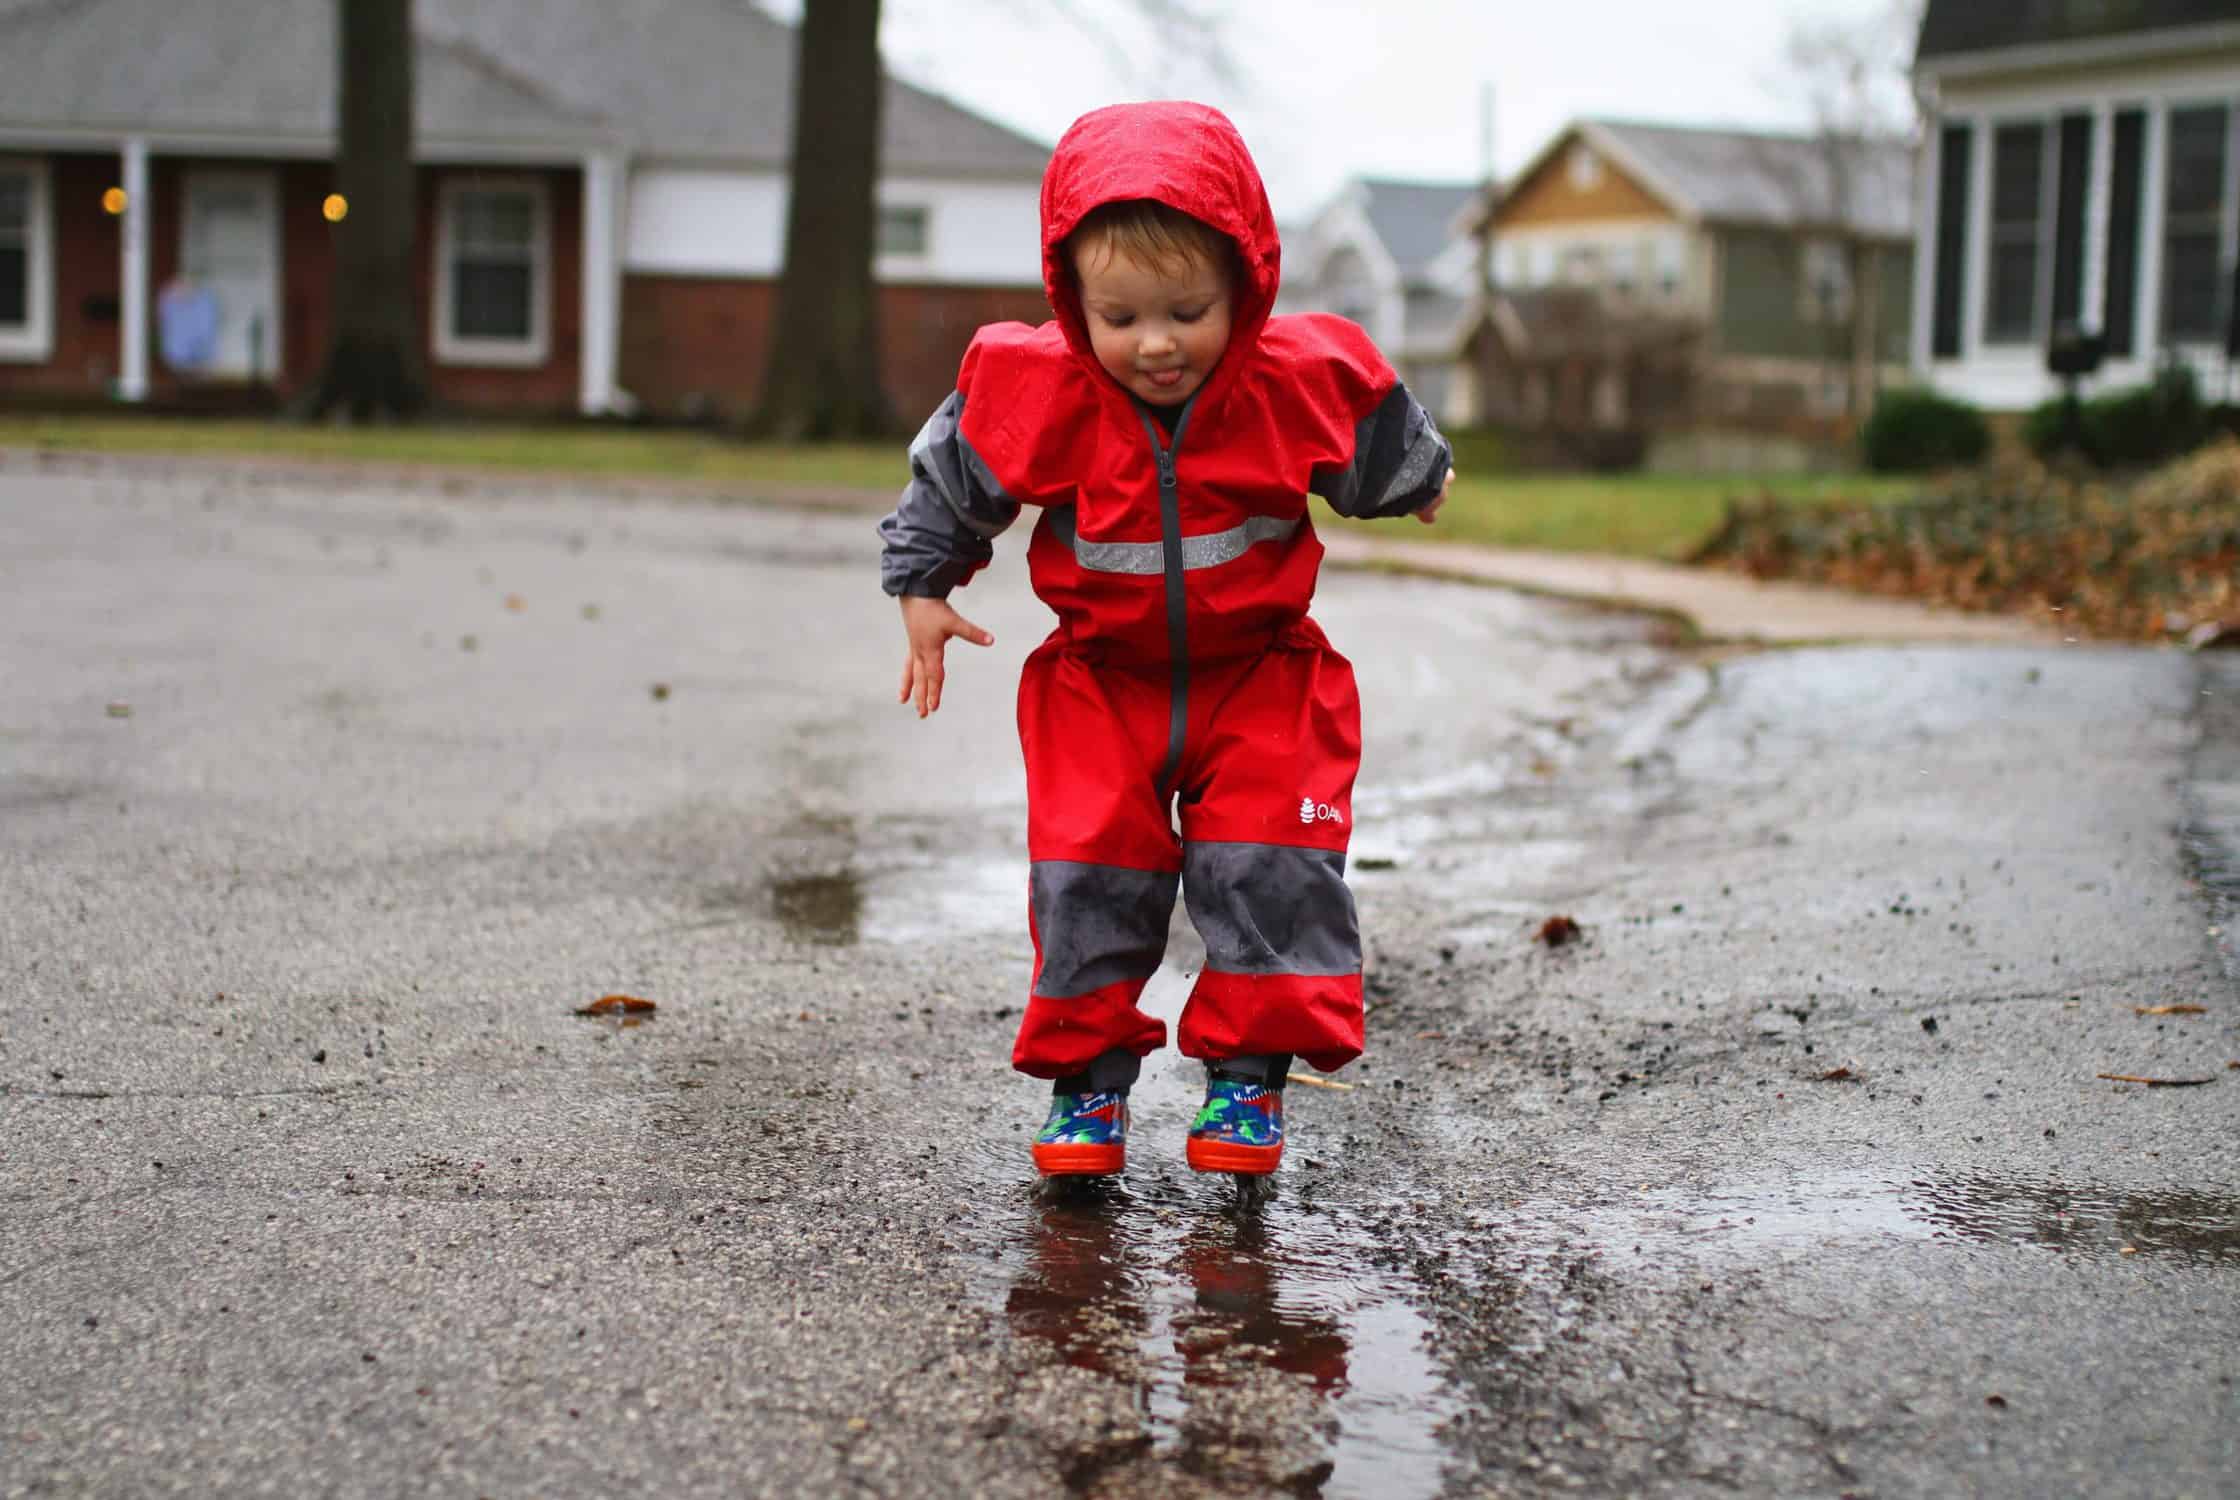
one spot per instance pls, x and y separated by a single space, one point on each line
1839 1075
661 692
1313 1082
120 710
1996 1400
2169 1010
1376 862
2128 1250
2155 1083
516 603
1557 931
608 1005
1431 1036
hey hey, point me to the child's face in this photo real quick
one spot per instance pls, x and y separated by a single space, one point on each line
1158 331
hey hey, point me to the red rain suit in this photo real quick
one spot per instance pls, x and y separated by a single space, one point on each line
1184 677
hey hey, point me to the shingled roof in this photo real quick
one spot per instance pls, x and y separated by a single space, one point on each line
1414 220
1748 177
1950 27
707 80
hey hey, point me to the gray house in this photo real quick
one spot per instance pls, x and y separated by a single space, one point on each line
1390 256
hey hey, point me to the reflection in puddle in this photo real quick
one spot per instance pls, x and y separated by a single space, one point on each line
1266 1339
2201 1228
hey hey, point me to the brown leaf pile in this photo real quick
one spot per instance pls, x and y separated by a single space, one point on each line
2139 561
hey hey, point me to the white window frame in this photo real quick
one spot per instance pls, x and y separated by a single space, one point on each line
32 341
450 348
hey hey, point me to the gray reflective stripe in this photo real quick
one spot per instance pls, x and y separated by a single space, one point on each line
1147 559
1272 909
1097 924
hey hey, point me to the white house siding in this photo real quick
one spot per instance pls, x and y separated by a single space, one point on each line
2012 377
698 221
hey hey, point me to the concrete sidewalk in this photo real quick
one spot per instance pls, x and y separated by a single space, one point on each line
1716 606
1719 606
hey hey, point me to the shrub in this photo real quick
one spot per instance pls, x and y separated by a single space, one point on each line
1914 429
2134 427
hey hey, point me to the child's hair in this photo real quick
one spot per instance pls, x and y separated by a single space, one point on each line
1147 230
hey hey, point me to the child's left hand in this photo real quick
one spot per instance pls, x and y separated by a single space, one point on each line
1431 511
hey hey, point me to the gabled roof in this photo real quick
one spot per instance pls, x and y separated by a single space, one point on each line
1949 27
1414 220
1758 178
685 79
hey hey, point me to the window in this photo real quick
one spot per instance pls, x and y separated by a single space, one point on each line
491 296
1824 290
902 229
2193 224
2017 215
25 295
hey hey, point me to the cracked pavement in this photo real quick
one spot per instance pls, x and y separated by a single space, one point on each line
323 808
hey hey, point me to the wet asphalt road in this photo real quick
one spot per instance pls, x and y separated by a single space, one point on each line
323 806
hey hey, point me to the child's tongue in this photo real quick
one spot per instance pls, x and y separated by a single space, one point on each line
1166 377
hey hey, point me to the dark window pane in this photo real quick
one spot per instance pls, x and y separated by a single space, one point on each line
15 207
2017 211
2014 292
2018 160
902 231
2190 286
2075 152
15 287
2197 138
490 301
496 221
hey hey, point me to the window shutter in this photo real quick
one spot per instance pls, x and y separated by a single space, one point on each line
2068 219
1952 240
2119 313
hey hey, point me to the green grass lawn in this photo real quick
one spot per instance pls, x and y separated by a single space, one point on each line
1648 515
649 453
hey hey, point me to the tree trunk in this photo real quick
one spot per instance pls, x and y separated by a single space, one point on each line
822 381
1866 328
373 367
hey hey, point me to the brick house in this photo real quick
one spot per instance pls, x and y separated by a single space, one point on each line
2083 169
602 204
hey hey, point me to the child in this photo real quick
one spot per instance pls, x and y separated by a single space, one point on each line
1169 431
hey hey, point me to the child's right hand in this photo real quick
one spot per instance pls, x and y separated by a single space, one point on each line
929 623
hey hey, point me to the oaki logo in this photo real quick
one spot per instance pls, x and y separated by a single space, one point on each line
1311 811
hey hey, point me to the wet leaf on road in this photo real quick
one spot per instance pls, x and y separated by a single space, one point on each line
1557 931
2169 1010
1996 1401
516 603
661 692
2155 1083
1839 1075
120 710
615 1005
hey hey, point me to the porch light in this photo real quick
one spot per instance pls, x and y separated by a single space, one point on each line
115 201
336 208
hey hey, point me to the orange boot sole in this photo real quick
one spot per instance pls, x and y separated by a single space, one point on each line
1228 1156
1071 1159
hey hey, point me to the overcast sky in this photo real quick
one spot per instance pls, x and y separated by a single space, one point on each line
1331 88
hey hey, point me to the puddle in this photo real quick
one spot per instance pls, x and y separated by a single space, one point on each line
2199 1228
820 909
1265 1337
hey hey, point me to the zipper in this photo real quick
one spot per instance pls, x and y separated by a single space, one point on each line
1170 537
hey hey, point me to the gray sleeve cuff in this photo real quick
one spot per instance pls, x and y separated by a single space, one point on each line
1400 462
942 531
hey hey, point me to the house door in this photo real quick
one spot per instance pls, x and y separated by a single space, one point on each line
229 245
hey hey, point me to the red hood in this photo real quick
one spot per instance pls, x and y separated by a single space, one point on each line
1187 156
